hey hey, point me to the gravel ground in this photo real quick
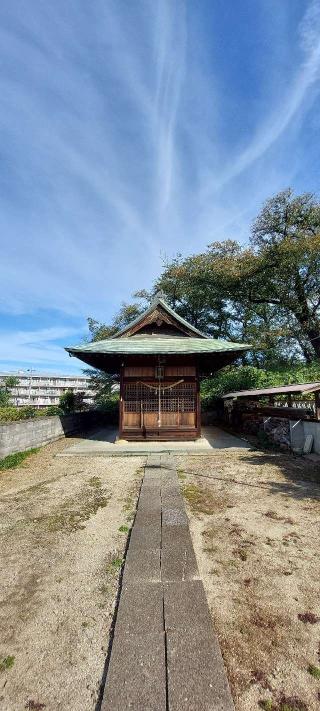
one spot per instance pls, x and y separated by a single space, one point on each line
61 551
254 520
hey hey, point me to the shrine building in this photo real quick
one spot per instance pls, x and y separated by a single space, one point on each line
160 358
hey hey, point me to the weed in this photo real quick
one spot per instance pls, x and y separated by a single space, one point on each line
291 703
308 617
114 565
128 504
12 461
266 704
314 671
6 663
124 529
201 500
95 482
181 474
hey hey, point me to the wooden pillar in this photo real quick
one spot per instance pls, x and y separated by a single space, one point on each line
289 400
317 404
198 404
121 402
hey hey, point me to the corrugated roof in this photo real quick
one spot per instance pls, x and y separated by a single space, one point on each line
158 346
158 301
295 388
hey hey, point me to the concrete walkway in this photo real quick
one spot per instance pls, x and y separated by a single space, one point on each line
104 443
165 655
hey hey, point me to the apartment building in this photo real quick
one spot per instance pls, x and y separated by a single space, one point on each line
44 389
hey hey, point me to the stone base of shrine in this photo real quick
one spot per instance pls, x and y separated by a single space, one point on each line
106 443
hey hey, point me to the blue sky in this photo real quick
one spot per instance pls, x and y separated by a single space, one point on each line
130 130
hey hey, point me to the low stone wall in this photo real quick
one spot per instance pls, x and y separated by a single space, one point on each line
26 434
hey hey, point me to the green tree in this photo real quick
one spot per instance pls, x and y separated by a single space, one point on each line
9 382
67 402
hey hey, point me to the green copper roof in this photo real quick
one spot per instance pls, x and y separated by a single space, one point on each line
158 346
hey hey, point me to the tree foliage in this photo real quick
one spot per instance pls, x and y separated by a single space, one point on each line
8 383
266 292
70 402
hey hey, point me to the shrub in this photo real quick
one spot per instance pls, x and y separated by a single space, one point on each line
52 410
12 414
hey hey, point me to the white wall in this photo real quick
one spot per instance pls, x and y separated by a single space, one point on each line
299 429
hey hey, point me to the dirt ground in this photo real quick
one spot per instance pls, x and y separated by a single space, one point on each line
61 554
254 520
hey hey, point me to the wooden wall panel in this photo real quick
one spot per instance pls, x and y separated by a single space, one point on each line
138 372
188 419
181 370
131 419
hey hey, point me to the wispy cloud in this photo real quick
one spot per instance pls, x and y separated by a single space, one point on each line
134 129
37 348
294 100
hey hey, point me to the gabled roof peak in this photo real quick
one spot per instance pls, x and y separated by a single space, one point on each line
159 301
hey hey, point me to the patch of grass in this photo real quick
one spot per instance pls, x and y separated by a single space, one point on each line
291 703
114 565
128 504
12 461
308 617
95 482
72 514
124 529
266 704
6 663
181 474
201 500
314 671
284 703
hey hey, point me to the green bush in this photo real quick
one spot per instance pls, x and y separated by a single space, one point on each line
52 410
12 414
248 377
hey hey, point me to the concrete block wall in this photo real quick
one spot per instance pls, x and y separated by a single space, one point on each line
26 434
299 429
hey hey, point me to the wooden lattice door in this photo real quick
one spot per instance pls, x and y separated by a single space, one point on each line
154 405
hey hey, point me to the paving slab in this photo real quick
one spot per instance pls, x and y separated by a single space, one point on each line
185 606
179 540
140 609
145 518
149 501
174 516
197 678
148 536
142 565
177 564
136 676
172 500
